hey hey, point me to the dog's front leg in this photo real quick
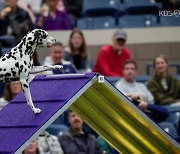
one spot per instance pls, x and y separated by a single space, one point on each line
27 94
38 69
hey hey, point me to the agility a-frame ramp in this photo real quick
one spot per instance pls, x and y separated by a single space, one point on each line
96 101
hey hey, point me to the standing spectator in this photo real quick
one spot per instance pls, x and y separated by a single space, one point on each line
49 144
164 87
77 52
111 57
11 90
50 18
32 148
17 18
128 86
76 140
57 58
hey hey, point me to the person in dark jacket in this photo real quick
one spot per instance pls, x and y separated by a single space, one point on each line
76 140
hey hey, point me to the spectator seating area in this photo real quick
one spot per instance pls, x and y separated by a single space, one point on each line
104 14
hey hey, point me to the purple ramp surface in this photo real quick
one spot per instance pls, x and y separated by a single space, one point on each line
17 121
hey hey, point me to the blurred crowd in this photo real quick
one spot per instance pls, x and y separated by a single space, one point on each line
114 60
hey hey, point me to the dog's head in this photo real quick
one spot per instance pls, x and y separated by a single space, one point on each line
43 39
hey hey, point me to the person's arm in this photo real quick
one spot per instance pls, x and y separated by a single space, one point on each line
159 97
157 113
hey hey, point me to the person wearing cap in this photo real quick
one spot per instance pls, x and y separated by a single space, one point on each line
111 57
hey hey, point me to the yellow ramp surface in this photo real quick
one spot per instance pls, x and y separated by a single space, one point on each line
120 123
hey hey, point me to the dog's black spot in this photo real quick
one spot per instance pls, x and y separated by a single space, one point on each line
20 46
7 75
25 85
3 59
14 73
29 38
21 55
0 69
25 70
15 49
4 69
20 69
13 57
17 65
25 63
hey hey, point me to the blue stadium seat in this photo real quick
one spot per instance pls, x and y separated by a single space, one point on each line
96 22
103 22
100 7
170 21
113 80
142 7
136 21
10 40
57 130
2 5
169 128
85 23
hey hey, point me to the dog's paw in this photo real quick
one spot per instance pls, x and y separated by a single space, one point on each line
36 110
58 66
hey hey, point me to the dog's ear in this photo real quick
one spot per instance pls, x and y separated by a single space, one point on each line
43 35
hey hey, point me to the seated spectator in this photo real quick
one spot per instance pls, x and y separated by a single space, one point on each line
128 86
77 52
32 148
111 57
49 144
11 90
138 92
164 87
76 140
15 17
57 58
50 18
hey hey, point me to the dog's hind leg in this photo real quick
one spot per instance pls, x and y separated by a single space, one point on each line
27 94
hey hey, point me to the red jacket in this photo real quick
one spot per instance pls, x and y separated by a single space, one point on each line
110 63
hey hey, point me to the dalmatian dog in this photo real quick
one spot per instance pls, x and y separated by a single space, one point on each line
17 64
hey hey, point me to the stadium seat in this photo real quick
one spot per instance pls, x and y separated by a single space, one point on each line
57 130
100 7
142 7
113 80
169 128
170 21
10 40
85 23
96 23
2 5
103 22
137 21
